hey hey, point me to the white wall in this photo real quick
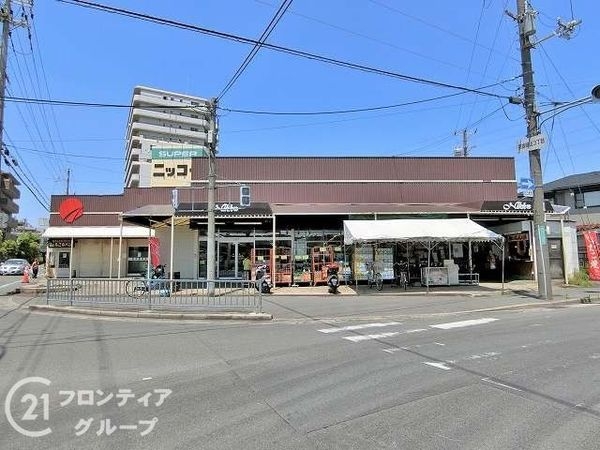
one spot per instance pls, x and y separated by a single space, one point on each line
185 252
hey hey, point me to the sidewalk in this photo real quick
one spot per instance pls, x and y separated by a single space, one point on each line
354 303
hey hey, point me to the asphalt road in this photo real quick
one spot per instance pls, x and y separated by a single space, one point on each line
525 378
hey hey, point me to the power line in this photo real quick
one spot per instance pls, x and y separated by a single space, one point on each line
367 37
263 37
287 50
73 155
432 25
26 100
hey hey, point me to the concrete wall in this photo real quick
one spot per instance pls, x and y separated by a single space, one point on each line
185 252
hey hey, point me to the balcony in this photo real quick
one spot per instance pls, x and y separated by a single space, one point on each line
155 100
172 117
168 132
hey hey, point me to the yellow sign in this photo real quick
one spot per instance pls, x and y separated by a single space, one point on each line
171 173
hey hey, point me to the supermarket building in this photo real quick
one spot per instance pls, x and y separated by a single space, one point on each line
295 221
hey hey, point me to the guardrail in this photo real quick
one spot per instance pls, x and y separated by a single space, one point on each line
232 295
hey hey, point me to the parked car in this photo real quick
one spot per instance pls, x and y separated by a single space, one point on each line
13 266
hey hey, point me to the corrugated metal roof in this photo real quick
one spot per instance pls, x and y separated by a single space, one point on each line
574 181
358 168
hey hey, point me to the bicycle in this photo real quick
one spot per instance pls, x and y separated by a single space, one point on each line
374 278
138 287
402 275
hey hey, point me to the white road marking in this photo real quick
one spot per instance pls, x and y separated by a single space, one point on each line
483 355
369 337
146 378
487 380
359 327
418 330
438 365
439 343
391 350
464 323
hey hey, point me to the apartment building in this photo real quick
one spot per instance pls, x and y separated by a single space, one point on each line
163 126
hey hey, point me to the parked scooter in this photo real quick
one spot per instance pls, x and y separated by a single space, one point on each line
263 280
333 279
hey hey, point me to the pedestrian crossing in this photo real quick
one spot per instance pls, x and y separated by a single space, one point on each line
372 331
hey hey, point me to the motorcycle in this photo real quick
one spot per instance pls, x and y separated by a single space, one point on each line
333 279
263 280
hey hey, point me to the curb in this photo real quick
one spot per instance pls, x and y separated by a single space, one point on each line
152 314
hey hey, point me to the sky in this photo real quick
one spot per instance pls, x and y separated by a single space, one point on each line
76 54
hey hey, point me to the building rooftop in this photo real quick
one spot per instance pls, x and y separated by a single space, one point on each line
576 180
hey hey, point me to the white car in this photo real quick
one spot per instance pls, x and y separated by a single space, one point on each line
13 266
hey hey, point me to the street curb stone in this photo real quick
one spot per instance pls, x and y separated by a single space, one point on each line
153 314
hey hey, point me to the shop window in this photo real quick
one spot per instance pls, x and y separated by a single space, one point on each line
137 260
591 198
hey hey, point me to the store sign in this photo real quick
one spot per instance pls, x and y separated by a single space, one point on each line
171 173
517 206
60 243
508 206
177 153
70 209
227 207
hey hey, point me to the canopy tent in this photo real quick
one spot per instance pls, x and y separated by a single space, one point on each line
420 230
415 230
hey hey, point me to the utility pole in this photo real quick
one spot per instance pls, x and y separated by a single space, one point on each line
525 18
212 177
6 17
68 179
464 150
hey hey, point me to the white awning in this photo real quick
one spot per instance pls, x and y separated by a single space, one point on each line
96 232
415 230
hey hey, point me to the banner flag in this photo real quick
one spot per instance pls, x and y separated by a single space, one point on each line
154 243
592 246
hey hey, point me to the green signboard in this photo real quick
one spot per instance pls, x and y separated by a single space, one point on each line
178 153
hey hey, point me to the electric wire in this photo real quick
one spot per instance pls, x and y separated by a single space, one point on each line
31 117
431 25
263 37
367 37
311 56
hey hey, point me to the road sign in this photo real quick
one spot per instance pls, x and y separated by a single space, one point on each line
526 184
527 193
536 142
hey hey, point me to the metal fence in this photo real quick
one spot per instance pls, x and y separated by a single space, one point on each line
230 295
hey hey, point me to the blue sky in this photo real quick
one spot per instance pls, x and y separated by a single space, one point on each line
91 56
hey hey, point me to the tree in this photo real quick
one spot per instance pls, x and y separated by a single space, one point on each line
26 246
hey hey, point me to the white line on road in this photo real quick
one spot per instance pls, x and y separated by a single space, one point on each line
391 350
369 337
438 365
487 380
483 355
418 330
464 323
359 327
146 378
439 343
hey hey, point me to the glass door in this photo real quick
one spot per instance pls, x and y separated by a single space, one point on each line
227 260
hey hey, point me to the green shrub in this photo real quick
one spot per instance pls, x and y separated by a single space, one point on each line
581 278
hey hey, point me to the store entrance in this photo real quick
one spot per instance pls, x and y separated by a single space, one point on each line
230 257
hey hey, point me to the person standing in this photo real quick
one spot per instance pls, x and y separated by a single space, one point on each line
35 267
247 264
